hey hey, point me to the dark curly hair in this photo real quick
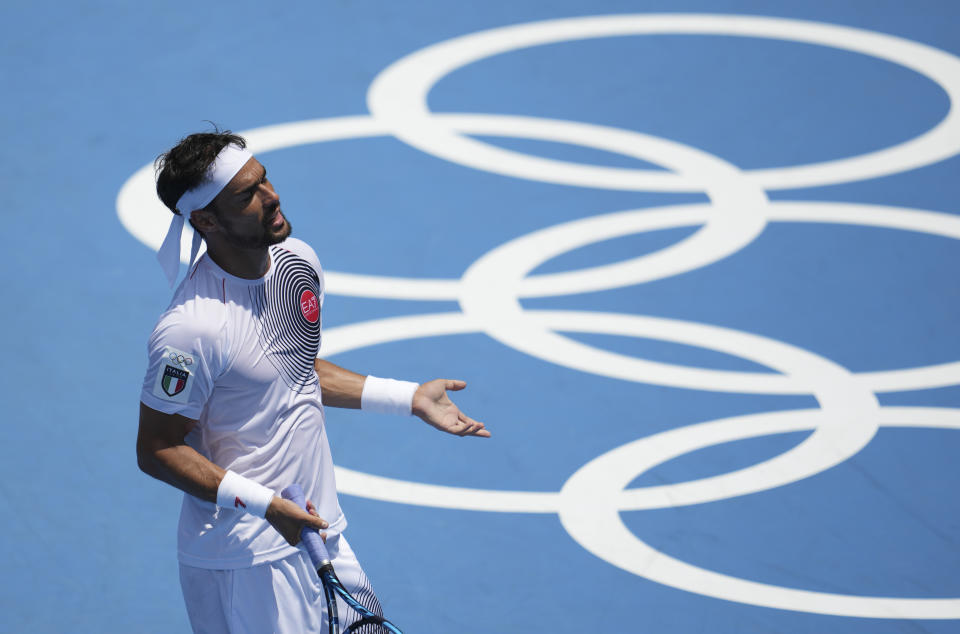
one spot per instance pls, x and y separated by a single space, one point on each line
185 165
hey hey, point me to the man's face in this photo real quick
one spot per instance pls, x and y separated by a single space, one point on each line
248 210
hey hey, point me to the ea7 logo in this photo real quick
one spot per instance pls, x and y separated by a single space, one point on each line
174 380
309 306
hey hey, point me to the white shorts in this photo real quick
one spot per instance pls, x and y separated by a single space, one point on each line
280 596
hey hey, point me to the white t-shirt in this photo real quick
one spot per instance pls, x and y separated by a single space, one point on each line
237 356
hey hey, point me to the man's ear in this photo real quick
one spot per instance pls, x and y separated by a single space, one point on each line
203 220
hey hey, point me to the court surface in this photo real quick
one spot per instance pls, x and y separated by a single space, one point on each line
696 260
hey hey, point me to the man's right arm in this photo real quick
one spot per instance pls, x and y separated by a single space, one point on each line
162 452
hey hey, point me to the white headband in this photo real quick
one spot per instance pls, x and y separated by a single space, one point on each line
224 168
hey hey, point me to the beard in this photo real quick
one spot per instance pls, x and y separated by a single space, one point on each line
276 237
268 238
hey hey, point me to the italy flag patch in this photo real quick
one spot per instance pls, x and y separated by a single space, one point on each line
174 376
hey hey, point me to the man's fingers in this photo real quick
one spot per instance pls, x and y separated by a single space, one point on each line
317 522
313 520
469 421
472 427
455 385
290 519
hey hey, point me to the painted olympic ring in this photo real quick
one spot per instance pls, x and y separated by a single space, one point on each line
398 97
593 519
490 290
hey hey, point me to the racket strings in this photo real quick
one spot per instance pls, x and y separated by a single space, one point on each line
372 623
358 623
366 597
360 613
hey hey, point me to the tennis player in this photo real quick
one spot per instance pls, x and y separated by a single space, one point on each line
232 406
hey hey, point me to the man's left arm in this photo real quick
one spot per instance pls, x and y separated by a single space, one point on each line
342 388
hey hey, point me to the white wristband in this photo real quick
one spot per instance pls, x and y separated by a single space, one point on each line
387 396
243 494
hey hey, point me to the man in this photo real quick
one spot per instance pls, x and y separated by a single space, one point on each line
232 404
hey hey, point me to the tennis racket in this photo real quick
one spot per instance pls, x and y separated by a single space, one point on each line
369 623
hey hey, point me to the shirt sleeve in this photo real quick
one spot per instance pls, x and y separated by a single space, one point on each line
181 367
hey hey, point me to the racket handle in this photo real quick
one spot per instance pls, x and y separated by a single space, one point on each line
310 537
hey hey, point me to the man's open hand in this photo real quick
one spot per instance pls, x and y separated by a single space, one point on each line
431 403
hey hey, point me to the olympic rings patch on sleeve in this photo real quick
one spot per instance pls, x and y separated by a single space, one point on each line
174 376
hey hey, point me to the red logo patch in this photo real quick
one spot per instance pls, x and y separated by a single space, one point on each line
309 306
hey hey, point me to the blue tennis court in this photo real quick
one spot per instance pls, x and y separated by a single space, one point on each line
697 262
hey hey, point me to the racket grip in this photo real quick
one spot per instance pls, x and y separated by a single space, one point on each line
310 537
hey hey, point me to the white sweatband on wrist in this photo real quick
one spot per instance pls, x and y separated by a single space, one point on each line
243 494
387 396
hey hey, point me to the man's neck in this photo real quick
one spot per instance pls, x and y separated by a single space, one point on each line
249 264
